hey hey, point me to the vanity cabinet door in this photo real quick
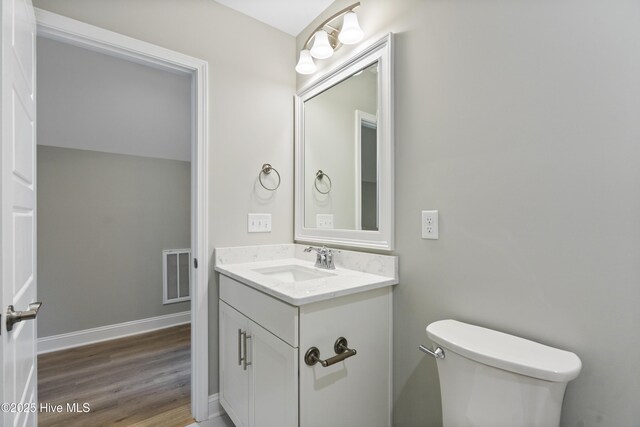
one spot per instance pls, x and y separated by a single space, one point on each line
258 373
234 378
355 391
275 380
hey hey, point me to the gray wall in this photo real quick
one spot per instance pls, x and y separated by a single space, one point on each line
251 87
519 122
103 221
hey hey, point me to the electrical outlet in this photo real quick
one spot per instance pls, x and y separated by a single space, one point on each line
324 220
429 224
259 223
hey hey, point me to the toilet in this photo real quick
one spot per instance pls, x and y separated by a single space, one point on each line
492 379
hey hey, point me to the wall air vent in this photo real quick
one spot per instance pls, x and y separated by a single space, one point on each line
176 275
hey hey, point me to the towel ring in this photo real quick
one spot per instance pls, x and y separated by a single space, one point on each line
319 176
266 170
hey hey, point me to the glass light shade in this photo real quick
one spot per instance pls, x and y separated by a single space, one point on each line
321 48
351 32
305 63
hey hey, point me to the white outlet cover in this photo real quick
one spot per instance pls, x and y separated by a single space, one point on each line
430 225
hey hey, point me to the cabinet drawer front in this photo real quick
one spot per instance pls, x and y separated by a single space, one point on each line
279 318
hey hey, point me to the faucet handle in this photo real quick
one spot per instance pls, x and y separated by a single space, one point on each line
324 256
332 252
329 259
321 255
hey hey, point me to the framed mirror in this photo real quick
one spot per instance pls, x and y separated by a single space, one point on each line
344 153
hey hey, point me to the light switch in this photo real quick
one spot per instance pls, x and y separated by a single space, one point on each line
259 223
324 220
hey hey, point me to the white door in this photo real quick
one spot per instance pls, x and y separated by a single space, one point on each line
18 217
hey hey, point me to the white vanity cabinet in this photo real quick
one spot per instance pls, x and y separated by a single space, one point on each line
278 388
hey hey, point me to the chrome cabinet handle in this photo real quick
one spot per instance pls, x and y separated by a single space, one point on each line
242 349
14 317
240 333
244 341
312 356
438 353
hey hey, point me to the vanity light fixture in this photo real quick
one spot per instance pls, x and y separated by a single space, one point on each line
351 32
321 48
306 64
327 38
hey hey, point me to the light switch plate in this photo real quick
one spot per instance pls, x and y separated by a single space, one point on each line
259 223
324 220
430 225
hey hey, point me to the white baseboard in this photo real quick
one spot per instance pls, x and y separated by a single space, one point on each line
109 332
215 409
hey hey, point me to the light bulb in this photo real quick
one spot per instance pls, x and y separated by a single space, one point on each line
321 48
351 32
305 63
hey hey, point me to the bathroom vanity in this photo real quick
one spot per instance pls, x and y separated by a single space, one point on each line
302 345
281 319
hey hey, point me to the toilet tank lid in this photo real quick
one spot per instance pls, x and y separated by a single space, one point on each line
505 351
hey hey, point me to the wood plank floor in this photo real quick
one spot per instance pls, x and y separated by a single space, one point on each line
142 380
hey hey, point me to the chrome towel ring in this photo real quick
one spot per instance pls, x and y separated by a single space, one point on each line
266 170
319 177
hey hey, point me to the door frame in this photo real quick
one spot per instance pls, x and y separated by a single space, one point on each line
369 120
71 31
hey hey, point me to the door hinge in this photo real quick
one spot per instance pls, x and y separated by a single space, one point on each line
195 263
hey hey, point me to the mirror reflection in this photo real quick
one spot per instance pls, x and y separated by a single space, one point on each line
340 154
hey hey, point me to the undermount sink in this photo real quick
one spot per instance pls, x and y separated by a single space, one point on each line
292 273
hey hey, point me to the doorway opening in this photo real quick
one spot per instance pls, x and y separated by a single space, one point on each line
136 181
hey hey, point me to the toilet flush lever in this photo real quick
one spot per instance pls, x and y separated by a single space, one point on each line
438 353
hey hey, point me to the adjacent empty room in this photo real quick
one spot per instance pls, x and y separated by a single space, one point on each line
114 221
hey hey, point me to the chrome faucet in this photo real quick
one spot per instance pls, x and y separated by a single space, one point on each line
324 257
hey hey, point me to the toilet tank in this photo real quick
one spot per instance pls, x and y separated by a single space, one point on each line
492 379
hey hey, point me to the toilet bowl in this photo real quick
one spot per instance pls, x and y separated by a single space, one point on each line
492 379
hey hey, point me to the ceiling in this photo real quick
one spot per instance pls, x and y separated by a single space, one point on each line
290 16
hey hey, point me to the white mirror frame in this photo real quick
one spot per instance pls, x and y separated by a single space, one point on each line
382 239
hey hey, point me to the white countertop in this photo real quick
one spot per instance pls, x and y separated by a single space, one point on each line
348 277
